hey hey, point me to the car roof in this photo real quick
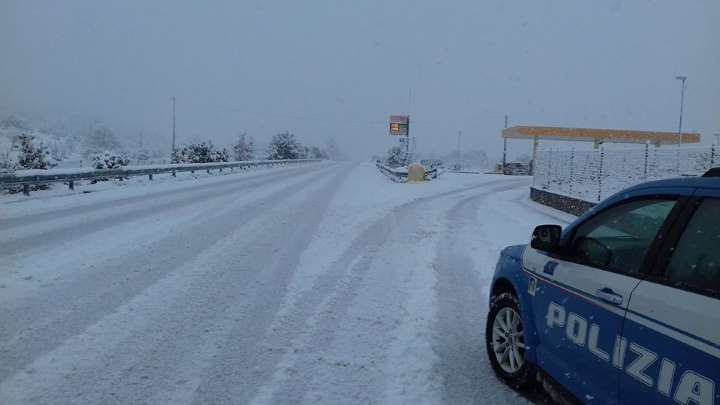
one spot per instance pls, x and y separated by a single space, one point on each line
655 187
712 183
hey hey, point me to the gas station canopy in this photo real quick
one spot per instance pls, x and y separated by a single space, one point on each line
598 135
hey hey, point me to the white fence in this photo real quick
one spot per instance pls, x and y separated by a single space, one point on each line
596 174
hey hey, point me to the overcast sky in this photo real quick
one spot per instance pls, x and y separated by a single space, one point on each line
340 68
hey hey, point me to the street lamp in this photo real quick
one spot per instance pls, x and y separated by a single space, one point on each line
682 101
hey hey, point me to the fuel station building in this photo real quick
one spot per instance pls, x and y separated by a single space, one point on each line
596 136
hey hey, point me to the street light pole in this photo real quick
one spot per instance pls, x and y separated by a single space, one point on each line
173 126
504 162
682 102
458 151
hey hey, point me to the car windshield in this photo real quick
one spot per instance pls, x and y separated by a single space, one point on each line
321 201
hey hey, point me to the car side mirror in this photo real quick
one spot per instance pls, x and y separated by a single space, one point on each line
546 238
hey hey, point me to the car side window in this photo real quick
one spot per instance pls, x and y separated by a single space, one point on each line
618 238
695 262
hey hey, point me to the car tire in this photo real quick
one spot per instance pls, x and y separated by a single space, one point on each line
505 343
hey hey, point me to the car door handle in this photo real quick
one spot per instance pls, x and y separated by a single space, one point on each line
608 295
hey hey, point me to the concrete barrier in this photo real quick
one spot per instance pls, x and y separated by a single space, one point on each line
571 205
416 173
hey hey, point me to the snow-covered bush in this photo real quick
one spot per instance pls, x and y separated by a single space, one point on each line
203 152
109 160
244 148
284 146
395 157
24 154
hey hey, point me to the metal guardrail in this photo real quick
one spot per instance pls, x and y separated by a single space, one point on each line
27 178
400 176
432 173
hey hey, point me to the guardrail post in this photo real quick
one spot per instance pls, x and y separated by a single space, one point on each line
26 189
71 184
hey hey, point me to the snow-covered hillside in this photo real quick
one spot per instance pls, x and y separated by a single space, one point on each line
74 145
59 147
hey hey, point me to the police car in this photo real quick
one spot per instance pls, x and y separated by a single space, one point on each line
621 306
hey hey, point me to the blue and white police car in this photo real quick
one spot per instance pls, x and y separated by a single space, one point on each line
621 306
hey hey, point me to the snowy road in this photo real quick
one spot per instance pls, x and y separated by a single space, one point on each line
323 283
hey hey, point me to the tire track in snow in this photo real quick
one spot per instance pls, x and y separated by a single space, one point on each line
465 266
39 324
87 207
235 376
35 237
323 309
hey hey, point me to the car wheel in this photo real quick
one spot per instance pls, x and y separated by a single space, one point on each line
505 341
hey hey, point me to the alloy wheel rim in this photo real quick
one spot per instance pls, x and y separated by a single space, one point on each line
508 341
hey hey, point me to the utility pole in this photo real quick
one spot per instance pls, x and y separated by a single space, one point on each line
173 127
504 161
458 150
682 102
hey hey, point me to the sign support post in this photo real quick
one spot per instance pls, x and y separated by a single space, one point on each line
400 126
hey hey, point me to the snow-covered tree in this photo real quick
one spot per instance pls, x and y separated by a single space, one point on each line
244 148
203 152
31 155
304 152
220 155
284 146
395 157
109 160
25 153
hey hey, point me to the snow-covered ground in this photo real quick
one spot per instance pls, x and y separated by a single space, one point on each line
324 283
